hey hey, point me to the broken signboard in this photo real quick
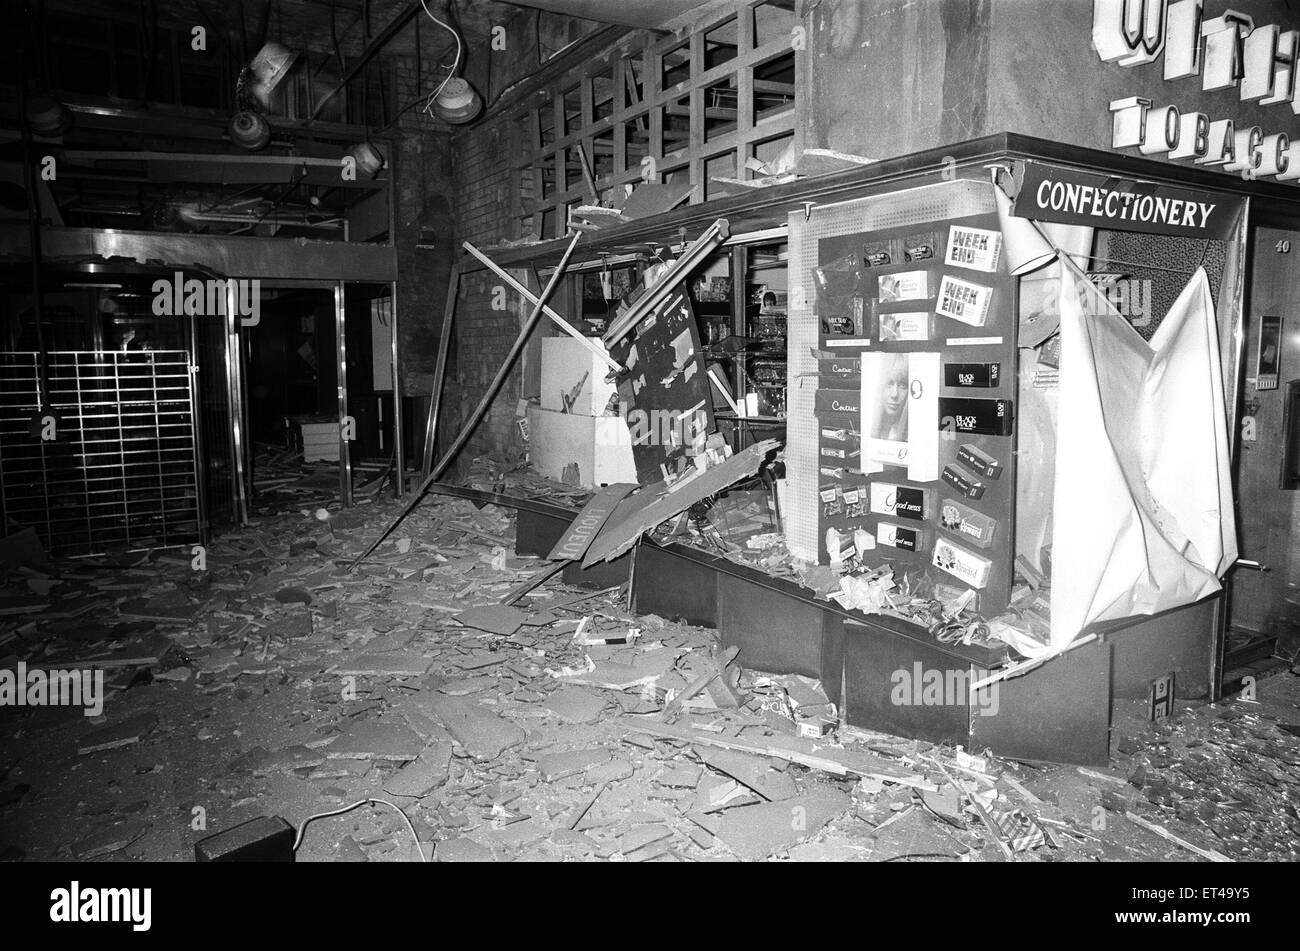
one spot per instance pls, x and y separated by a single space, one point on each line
665 389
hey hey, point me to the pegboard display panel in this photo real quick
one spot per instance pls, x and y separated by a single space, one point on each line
912 206
909 285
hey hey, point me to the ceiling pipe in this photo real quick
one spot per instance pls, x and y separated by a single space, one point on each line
385 36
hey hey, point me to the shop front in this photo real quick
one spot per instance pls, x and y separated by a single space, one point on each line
1038 431
1017 545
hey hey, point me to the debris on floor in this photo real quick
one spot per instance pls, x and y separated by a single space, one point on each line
559 727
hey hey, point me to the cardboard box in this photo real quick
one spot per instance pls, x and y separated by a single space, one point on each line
973 248
964 300
902 537
904 285
814 728
975 527
568 366
320 442
842 372
900 501
964 481
600 445
832 402
979 461
981 417
969 567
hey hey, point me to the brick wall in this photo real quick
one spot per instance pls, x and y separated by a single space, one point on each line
454 183
425 201
484 335
481 154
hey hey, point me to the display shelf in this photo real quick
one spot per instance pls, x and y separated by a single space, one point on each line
1059 709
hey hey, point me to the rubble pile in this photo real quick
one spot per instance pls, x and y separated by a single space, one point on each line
1226 776
511 717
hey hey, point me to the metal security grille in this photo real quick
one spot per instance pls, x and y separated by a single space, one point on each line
120 473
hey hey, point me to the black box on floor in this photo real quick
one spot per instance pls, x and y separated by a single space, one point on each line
264 839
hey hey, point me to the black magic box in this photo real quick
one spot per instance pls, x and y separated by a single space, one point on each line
985 375
980 417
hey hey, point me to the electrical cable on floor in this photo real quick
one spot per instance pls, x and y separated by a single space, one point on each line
360 802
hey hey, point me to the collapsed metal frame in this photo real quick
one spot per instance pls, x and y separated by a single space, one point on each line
275 261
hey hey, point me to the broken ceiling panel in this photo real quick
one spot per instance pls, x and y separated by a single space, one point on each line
644 510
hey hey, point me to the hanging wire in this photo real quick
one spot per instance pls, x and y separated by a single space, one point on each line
428 103
426 100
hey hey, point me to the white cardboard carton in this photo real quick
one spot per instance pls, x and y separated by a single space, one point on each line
320 442
566 363
600 445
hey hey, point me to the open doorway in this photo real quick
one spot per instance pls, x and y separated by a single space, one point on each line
292 402
318 388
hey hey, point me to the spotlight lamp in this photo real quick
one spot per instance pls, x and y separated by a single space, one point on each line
257 81
458 102
47 116
454 101
249 130
369 160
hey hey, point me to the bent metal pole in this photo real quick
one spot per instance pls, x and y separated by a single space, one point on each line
596 350
476 417
680 269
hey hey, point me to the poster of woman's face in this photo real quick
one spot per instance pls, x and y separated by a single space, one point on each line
885 390
890 418
900 413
